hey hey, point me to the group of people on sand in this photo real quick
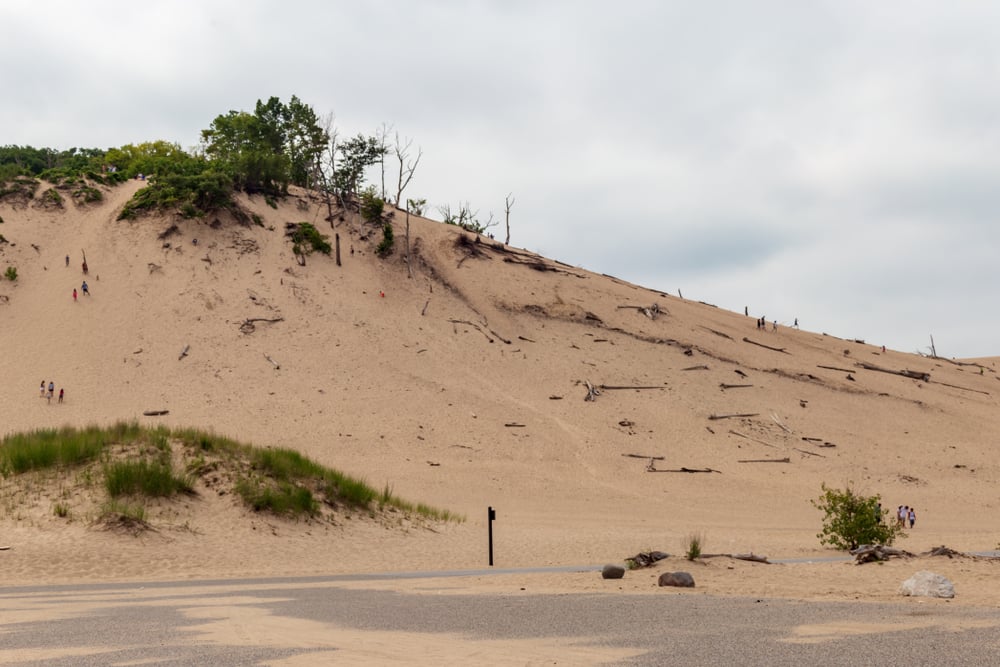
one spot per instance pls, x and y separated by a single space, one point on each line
905 513
51 390
85 288
762 321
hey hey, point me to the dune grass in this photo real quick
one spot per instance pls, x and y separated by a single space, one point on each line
65 447
137 464
150 479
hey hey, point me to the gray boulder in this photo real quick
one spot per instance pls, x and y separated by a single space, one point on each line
682 579
928 584
613 572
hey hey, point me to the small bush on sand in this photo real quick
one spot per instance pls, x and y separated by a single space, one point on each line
693 545
851 519
11 273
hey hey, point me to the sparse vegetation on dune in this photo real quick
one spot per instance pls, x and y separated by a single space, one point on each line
138 463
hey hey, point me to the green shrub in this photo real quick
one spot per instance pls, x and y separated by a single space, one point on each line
694 543
19 186
257 220
384 247
371 207
11 272
87 195
51 197
192 195
307 237
60 510
851 519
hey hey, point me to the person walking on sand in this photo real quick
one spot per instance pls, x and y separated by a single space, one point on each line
67 260
85 288
899 516
74 294
912 516
52 390
61 390
42 390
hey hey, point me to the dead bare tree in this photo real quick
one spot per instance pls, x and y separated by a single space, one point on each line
328 163
415 206
508 203
380 137
406 167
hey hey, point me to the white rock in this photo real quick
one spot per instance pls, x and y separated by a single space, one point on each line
928 584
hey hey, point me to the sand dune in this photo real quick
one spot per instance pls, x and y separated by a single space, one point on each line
463 387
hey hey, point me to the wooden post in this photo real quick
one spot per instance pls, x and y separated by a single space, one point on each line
337 237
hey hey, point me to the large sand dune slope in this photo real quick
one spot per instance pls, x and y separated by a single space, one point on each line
462 387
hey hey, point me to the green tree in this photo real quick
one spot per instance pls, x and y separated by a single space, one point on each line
267 150
851 519
356 155
306 139
241 145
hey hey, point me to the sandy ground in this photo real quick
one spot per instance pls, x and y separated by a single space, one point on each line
463 387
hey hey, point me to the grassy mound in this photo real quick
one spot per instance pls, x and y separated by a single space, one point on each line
133 464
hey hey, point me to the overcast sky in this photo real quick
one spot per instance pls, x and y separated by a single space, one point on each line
838 162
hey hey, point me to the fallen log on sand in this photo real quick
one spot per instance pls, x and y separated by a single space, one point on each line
867 553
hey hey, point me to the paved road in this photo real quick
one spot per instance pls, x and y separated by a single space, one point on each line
304 621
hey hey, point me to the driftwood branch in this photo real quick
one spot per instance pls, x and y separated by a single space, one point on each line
701 367
914 375
184 352
248 325
273 362
723 385
611 386
784 460
750 557
867 553
513 425
645 456
592 391
955 386
476 327
423 310
803 451
747 437
717 333
777 421
652 468
835 368
767 347
155 413
741 414
652 312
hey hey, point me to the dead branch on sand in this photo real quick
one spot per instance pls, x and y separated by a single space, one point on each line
740 414
750 557
913 375
767 347
249 327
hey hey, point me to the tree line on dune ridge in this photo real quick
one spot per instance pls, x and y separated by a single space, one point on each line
260 153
